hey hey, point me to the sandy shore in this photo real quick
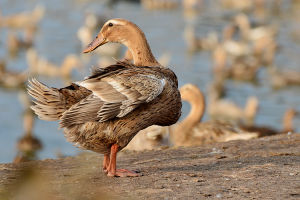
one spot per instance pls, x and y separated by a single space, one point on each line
265 168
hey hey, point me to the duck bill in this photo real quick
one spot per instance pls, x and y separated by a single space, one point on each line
97 42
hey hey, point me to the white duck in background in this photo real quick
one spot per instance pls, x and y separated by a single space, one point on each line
41 66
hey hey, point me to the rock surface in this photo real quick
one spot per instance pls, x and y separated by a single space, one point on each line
265 168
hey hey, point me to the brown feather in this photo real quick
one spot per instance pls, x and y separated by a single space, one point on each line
51 103
111 92
123 91
81 112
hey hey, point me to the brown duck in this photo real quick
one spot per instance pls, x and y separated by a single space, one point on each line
104 112
192 132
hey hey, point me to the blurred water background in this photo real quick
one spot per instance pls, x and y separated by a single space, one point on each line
56 37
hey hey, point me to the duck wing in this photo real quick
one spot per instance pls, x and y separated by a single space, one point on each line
50 103
115 94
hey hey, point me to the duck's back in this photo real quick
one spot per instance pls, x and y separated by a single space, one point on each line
216 131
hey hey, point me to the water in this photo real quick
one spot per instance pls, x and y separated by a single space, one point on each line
56 37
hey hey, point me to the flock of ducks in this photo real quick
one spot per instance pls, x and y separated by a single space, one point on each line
242 51
121 98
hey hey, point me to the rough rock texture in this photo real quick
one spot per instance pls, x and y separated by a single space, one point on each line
266 168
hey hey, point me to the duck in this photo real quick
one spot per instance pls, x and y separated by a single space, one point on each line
192 5
261 39
226 110
15 43
11 79
23 20
229 48
152 138
106 110
287 125
28 145
160 4
235 48
195 43
264 49
280 79
192 132
40 66
242 68
254 33
245 5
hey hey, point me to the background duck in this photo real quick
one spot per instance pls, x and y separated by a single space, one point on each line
287 125
195 43
241 57
41 66
12 79
245 5
28 145
16 43
106 110
243 68
192 5
160 4
24 19
191 131
283 78
221 109
261 38
151 138
253 33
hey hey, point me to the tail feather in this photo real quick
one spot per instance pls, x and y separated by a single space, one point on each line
49 102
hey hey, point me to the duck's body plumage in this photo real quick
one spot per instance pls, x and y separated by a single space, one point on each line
191 131
111 106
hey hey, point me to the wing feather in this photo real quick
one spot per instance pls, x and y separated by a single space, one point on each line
115 95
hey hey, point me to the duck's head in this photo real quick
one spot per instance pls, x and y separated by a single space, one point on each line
190 92
114 30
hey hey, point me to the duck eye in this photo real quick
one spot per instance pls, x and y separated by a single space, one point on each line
110 24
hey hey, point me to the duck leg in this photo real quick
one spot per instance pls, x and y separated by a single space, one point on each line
111 170
106 162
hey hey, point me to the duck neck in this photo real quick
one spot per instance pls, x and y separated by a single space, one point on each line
196 113
244 26
140 50
288 121
250 110
180 132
